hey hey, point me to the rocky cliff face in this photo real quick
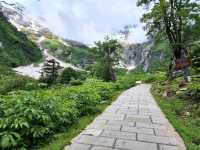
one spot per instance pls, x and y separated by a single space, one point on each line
145 55
16 14
137 54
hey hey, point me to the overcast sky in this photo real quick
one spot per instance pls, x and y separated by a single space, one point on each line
87 20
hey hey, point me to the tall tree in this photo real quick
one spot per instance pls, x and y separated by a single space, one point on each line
108 56
171 20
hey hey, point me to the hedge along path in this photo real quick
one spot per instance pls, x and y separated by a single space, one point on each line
133 122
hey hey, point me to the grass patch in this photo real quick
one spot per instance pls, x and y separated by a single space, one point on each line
61 140
182 115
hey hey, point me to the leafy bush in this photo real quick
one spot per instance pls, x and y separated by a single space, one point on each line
105 89
27 117
86 98
51 44
125 82
10 81
69 74
196 57
17 83
194 90
76 82
157 77
121 71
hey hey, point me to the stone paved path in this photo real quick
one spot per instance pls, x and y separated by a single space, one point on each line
133 122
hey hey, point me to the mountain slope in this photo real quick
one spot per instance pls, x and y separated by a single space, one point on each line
15 48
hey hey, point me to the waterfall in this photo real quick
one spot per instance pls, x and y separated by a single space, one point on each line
137 55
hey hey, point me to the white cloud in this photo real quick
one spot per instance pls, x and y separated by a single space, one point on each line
87 20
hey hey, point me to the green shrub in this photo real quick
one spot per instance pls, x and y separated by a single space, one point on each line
105 89
28 117
157 77
76 82
196 57
125 82
11 83
69 74
194 90
121 71
86 98
51 44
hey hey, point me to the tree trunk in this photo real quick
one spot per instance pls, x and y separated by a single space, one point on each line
170 69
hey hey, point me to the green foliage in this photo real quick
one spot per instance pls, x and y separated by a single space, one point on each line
69 74
100 70
125 82
176 22
52 44
76 55
76 82
196 57
129 80
16 49
10 81
182 113
81 56
105 89
194 91
121 71
108 54
171 20
28 118
62 139
50 71
31 116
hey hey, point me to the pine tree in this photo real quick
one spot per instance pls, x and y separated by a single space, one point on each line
50 71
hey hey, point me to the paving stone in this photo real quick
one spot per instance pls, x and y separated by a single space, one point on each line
119 135
112 117
101 148
127 112
135 145
159 120
93 140
99 121
150 125
121 122
111 110
150 114
138 118
157 139
166 147
92 132
163 132
103 126
76 146
137 130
